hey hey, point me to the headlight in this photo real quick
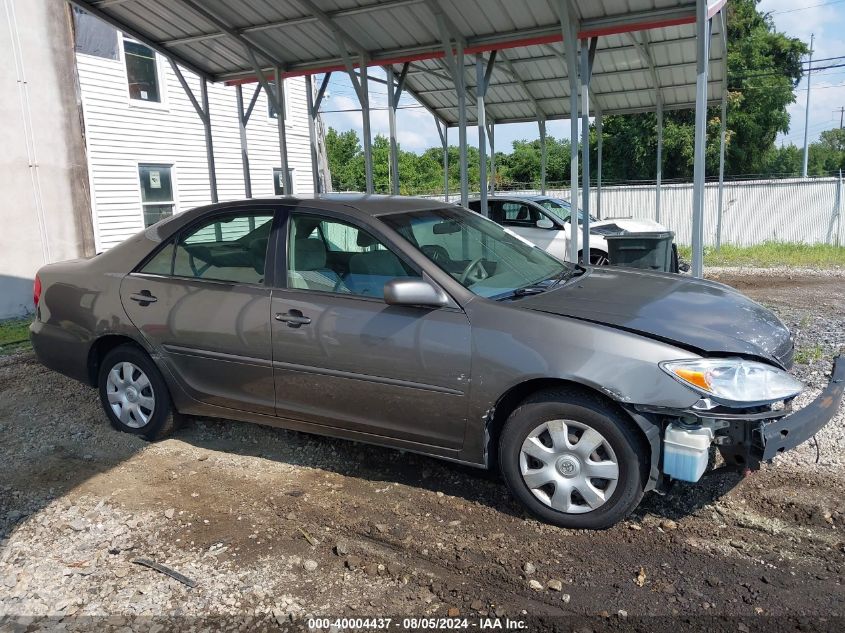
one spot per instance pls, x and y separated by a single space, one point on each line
734 380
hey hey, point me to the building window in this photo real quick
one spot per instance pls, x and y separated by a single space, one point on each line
156 192
279 182
141 72
93 36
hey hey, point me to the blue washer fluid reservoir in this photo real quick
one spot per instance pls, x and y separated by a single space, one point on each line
686 451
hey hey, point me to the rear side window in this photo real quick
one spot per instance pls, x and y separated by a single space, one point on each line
161 263
231 248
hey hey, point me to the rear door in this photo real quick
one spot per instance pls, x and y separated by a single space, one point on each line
203 303
344 358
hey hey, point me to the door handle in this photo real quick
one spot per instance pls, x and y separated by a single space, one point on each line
294 318
145 298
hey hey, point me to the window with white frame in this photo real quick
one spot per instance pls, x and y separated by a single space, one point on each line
141 72
157 199
279 182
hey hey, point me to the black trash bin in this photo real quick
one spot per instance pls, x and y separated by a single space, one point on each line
651 251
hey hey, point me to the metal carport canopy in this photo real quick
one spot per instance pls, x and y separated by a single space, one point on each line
640 42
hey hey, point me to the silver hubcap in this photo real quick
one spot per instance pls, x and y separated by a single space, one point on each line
569 466
131 396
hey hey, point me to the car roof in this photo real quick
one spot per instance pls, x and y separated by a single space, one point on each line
523 198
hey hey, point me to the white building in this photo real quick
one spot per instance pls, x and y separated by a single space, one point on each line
146 145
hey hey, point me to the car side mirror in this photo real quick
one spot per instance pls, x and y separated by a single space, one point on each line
413 292
545 223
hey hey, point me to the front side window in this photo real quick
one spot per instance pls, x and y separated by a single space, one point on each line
156 192
484 257
333 256
141 72
562 209
230 247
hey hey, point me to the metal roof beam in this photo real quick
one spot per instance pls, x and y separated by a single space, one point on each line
537 109
217 21
329 22
612 111
644 49
281 24
636 20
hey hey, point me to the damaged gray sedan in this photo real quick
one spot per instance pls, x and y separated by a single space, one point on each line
404 323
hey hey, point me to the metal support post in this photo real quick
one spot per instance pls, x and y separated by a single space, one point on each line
702 28
588 50
239 94
209 141
569 28
722 124
443 132
541 122
394 93
491 136
482 75
205 116
281 124
364 98
659 175
599 144
313 113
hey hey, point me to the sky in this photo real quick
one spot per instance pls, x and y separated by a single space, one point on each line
417 131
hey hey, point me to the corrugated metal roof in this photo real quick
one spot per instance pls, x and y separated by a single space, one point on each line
214 38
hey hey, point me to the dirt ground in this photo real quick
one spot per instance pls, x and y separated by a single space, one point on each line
275 526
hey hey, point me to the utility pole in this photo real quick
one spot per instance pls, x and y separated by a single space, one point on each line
807 109
841 116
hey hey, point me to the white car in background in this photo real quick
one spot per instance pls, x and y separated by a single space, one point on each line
547 222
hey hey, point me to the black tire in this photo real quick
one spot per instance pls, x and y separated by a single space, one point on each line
162 418
598 258
583 408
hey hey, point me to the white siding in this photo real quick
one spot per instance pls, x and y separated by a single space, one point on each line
121 134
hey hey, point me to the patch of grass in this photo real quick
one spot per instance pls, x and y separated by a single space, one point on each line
14 335
772 254
806 355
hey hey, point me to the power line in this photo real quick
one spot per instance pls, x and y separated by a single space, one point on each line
812 6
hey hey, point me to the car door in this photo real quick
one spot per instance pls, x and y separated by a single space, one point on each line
522 217
203 304
344 358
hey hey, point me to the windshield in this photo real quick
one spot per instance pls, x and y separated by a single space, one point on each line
562 209
484 257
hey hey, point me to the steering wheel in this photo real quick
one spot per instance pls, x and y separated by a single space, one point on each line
435 253
479 273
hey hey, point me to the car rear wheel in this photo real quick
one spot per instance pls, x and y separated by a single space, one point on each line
572 461
598 258
133 393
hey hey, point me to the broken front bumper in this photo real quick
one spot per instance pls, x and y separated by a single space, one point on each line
747 439
796 428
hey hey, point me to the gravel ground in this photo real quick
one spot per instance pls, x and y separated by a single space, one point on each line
276 526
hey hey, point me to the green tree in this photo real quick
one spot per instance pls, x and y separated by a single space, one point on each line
346 160
763 68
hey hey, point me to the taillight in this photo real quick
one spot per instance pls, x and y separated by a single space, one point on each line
36 291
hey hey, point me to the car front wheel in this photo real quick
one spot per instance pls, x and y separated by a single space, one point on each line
572 461
134 394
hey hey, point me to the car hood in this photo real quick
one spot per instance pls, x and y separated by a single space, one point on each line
696 314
